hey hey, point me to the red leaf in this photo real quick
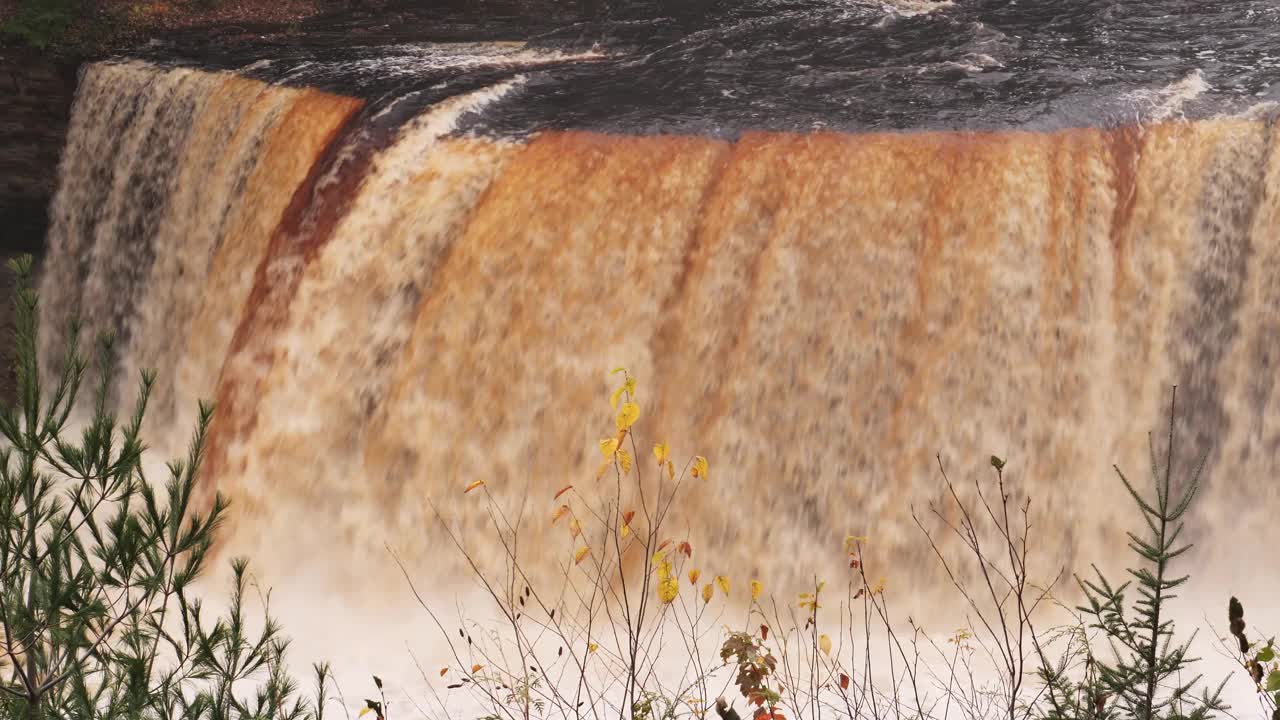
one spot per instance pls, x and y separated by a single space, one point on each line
663 545
764 632
563 490
844 681
626 517
685 548
778 716
760 714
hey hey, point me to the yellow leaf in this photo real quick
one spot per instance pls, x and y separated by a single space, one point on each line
665 570
700 467
615 397
604 468
625 532
628 415
608 447
879 588
824 644
476 668
851 542
617 370
575 527
559 513
658 558
756 589
668 589
624 459
660 451
365 711
707 591
592 647
723 582
475 484
671 470
694 574
581 555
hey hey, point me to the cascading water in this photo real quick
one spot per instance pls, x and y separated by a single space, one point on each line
386 306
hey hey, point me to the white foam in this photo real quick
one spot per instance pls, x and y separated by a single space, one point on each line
1157 105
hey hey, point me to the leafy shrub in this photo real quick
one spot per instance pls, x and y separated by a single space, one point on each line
589 643
97 613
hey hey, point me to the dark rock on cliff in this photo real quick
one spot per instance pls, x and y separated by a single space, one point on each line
35 105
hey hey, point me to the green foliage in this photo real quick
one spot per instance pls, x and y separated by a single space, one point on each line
1147 674
97 564
42 23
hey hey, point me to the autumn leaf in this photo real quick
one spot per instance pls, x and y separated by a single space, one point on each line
608 447
685 548
581 555
723 582
660 451
671 470
559 513
756 589
663 545
592 647
708 590
626 517
619 369
474 484
824 644
575 527
562 491
476 668
624 459
851 542
694 574
699 467
844 681
365 711
668 589
628 415
615 397
764 632
443 670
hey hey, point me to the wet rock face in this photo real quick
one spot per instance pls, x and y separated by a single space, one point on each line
35 104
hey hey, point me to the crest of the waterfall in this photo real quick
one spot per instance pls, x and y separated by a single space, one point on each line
1169 101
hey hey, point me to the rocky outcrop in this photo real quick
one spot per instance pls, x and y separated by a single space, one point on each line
35 104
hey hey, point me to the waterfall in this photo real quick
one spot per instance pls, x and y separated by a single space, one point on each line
386 309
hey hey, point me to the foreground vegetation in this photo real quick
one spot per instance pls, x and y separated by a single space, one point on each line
98 617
